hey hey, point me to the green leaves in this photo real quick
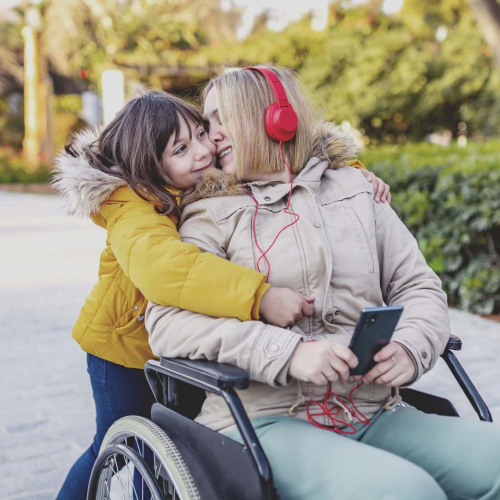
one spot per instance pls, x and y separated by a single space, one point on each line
388 75
450 201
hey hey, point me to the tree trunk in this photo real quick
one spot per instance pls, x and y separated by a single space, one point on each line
487 13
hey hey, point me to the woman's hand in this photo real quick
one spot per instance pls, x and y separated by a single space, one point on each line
322 362
380 188
394 367
283 307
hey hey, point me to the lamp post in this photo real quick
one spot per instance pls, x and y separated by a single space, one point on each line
37 94
113 93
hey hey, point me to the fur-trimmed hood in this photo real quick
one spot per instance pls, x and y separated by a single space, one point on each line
330 144
84 187
333 145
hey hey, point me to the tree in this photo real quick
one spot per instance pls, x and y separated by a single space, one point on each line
388 75
487 13
153 39
11 47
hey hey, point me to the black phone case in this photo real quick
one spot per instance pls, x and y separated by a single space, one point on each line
373 331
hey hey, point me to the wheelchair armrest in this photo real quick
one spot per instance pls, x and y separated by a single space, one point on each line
220 375
454 343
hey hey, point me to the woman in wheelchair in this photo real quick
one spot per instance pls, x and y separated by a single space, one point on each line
312 225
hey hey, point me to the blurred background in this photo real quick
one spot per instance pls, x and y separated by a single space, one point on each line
416 82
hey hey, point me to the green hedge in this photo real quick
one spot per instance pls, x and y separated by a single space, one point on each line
13 169
450 200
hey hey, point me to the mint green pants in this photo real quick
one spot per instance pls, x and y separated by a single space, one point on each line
403 454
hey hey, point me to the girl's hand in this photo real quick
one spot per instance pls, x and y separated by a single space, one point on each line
283 307
322 362
380 188
394 367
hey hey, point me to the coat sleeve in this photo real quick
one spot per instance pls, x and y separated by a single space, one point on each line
168 271
262 350
407 280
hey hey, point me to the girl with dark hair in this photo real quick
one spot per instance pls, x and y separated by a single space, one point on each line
129 180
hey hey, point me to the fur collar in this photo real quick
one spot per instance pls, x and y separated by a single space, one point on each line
333 145
330 144
84 187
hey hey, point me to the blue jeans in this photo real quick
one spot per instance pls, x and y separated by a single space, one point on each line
118 392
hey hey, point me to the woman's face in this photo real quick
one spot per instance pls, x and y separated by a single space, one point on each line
187 158
217 133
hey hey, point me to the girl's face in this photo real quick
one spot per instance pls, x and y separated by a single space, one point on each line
217 133
187 158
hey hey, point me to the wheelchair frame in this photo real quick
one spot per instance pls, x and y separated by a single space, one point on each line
178 386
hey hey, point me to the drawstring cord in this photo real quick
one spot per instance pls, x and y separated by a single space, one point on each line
300 399
393 401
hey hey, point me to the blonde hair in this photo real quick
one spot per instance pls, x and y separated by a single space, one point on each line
243 97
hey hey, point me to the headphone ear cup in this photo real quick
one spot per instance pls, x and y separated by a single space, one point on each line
268 121
281 123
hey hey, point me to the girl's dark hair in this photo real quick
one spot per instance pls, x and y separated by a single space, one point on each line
131 146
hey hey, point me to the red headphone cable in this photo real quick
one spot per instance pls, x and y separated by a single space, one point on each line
263 254
327 409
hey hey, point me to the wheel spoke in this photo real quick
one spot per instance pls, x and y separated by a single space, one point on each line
141 453
115 463
131 479
107 489
128 448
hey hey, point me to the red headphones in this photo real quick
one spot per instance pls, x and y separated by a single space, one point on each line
280 118
281 122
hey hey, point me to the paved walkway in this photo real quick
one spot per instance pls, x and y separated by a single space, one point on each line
48 263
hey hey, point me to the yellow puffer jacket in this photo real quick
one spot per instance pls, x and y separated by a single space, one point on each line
144 259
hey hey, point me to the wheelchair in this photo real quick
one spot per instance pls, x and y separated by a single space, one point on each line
174 457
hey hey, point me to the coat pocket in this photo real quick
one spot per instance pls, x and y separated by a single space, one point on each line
132 321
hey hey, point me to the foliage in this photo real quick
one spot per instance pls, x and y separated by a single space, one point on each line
11 127
449 199
388 75
13 169
11 46
151 39
67 118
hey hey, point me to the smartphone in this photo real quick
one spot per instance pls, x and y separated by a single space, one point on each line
373 331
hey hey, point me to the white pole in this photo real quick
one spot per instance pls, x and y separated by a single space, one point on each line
113 93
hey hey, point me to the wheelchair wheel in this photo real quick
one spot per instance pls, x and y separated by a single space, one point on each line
138 461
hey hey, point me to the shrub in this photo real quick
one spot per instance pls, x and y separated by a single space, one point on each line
450 201
13 168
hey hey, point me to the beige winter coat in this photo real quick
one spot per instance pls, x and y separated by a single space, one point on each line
346 251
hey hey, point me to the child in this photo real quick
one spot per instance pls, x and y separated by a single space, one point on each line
122 179
128 180
349 253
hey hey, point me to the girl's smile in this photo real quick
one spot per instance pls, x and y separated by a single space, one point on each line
188 155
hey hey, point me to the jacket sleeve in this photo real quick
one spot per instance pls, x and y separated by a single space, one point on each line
168 271
356 164
407 280
262 350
